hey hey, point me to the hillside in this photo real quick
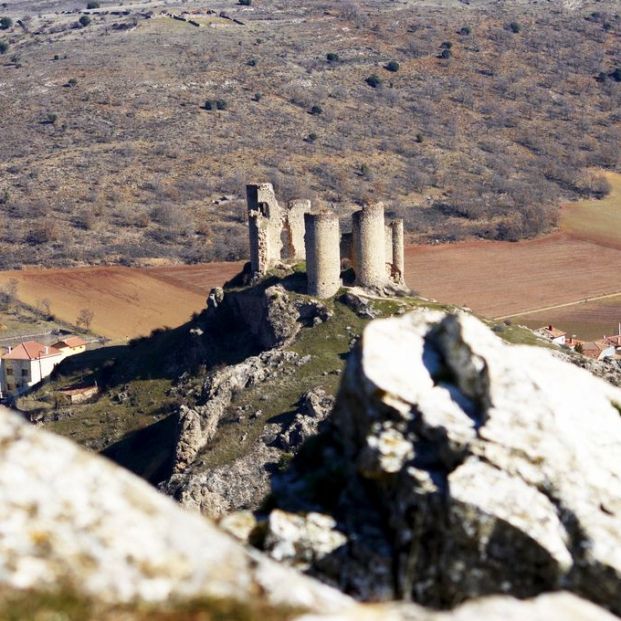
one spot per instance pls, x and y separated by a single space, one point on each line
467 119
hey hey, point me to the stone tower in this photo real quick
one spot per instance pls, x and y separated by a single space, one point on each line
323 259
264 226
369 252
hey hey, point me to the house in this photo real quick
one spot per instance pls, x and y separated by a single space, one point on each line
552 334
70 345
598 350
25 365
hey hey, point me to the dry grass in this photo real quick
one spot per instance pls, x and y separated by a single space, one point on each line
596 220
474 145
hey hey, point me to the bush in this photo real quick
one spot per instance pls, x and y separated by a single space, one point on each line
393 66
221 104
331 57
92 5
4 46
245 2
252 62
445 54
311 137
84 20
514 27
446 45
374 81
5 23
465 31
257 97
316 110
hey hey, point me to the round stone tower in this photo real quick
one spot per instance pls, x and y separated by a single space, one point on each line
323 259
369 246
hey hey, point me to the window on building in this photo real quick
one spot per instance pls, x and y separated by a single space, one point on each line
24 372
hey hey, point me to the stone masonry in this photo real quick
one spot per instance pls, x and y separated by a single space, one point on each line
374 248
369 246
264 225
323 256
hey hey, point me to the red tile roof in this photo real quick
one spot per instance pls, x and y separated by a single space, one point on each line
70 341
31 350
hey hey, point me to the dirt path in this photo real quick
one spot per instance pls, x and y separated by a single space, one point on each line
557 306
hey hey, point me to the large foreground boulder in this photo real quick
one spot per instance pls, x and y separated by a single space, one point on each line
72 520
470 467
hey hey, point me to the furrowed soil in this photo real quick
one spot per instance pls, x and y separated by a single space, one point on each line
126 302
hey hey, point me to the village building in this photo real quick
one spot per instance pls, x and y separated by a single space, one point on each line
598 350
25 365
553 334
70 345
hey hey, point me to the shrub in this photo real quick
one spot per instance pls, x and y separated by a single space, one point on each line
257 97
465 31
4 46
331 57
445 54
514 27
84 20
446 45
209 105
92 5
393 66
374 81
316 109
252 62
245 2
311 137
5 23
221 104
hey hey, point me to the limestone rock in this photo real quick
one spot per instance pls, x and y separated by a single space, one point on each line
198 425
474 467
301 539
70 519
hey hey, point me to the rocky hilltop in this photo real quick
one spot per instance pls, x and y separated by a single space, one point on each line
452 466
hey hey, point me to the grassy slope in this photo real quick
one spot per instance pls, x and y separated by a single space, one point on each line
597 220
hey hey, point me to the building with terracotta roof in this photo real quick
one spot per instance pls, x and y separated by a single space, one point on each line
25 365
71 345
552 334
598 350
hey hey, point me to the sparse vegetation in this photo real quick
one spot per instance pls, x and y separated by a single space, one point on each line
6 23
393 66
374 81
84 20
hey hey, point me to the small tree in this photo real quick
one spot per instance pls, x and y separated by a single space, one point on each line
4 46
579 349
5 23
393 66
245 2
84 20
85 318
514 27
374 81
316 110
92 5
332 57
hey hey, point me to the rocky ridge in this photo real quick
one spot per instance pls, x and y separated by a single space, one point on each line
467 467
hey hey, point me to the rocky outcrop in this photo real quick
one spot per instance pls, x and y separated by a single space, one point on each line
272 315
198 425
245 483
470 467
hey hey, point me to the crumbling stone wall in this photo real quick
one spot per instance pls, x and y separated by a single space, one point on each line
323 265
369 246
294 230
264 227
397 251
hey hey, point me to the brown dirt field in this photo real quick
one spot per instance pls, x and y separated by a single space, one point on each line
500 278
126 302
588 320
199 278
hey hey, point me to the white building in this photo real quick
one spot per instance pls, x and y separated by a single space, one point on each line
25 365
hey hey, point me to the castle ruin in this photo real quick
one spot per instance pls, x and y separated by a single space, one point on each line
373 249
